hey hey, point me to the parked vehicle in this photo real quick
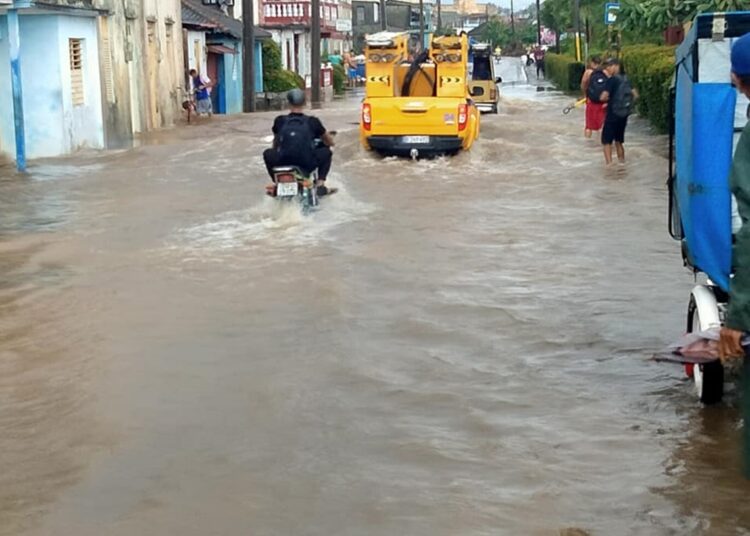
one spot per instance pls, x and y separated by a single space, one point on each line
420 107
483 83
707 117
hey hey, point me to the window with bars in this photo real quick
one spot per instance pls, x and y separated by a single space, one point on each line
75 48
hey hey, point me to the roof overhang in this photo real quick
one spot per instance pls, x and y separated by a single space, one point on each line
221 49
30 7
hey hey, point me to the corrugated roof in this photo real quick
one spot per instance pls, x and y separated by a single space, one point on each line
194 13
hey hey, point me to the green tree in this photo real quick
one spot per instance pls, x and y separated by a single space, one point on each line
656 15
497 33
275 78
557 16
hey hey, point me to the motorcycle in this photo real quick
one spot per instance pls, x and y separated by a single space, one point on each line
291 183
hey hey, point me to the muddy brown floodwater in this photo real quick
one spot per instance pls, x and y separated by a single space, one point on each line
448 347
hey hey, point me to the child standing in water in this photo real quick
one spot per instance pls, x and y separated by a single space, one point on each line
593 83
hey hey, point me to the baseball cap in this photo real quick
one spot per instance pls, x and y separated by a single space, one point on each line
741 56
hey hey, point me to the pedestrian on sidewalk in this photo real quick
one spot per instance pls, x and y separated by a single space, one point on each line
593 84
539 60
620 98
737 321
202 90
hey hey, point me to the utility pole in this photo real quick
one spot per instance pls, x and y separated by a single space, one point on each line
538 24
577 25
315 52
14 41
512 20
383 20
440 18
421 24
248 55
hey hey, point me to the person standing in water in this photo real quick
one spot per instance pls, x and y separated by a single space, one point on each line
737 321
593 84
202 90
620 97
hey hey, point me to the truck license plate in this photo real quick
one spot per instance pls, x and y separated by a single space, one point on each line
286 189
416 139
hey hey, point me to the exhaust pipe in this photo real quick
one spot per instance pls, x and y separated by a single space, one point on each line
414 154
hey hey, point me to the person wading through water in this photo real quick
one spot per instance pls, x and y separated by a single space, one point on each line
737 321
620 97
593 84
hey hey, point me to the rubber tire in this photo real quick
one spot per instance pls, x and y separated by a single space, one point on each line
709 378
495 109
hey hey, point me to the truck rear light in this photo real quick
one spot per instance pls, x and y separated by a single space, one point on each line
493 94
463 116
366 116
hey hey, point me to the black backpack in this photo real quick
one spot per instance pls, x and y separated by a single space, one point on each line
597 85
623 101
296 139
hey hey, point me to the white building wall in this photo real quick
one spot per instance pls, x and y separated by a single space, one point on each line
82 124
196 53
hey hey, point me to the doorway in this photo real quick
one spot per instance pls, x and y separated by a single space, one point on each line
215 70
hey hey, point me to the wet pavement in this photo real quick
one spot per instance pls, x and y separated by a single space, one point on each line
456 346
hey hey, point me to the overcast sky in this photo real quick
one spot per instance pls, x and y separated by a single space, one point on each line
517 4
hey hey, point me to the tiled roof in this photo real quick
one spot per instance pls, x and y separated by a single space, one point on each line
194 13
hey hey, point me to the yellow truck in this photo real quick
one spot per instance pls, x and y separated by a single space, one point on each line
420 107
483 83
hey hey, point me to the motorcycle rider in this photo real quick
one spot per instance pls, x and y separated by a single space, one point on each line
294 143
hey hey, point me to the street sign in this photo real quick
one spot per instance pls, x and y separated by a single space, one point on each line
343 25
610 13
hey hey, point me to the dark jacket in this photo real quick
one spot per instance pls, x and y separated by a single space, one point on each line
738 314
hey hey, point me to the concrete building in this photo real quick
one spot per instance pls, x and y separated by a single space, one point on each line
141 65
466 15
59 64
289 24
401 16
214 48
93 72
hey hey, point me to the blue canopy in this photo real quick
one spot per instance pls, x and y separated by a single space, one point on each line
703 140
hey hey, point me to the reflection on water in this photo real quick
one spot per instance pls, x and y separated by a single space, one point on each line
455 346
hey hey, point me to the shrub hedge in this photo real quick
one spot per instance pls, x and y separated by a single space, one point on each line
275 78
650 69
339 79
564 71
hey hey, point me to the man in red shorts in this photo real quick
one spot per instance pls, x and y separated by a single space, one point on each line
593 83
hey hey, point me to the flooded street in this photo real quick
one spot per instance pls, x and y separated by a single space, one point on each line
449 347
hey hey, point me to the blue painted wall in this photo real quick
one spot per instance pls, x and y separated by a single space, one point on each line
7 136
232 75
258 67
83 125
232 78
42 91
53 125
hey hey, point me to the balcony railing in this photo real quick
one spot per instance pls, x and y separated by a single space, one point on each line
299 12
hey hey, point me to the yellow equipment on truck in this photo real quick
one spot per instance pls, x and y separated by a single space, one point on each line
420 107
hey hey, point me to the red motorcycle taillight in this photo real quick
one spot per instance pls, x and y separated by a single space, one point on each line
286 177
463 116
366 116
